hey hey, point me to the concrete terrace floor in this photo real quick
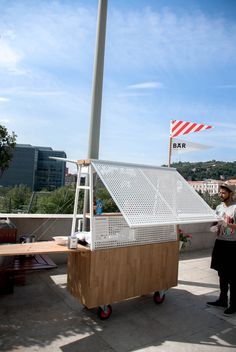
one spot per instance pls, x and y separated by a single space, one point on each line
43 316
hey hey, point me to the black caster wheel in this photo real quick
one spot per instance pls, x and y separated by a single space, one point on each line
104 312
158 298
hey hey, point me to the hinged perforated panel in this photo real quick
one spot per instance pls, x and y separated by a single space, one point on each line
151 196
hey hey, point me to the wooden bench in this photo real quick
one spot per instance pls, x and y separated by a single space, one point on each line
13 269
20 258
8 235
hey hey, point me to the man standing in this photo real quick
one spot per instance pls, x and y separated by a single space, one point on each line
224 251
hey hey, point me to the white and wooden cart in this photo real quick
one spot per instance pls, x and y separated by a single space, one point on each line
136 251
133 252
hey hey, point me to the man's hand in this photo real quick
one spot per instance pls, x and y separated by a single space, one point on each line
223 223
214 228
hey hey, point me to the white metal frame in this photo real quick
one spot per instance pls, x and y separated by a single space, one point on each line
153 221
158 195
91 205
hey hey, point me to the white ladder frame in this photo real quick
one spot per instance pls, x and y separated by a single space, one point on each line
89 188
77 193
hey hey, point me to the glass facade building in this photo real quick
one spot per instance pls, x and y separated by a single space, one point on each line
31 166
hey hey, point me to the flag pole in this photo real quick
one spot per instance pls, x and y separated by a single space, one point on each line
170 145
170 151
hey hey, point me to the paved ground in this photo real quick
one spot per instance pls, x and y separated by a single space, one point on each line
43 316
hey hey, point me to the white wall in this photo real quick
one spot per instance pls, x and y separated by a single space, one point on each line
44 227
202 238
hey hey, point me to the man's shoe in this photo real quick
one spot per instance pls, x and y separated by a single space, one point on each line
218 303
230 310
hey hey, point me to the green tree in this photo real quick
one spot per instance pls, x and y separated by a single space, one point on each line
219 170
59 201
16 199
7 145
109 206
211 200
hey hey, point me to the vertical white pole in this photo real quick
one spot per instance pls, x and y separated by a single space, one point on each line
170 152
95 118
170 145
91 171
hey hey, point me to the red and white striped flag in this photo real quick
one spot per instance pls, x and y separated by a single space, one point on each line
182 127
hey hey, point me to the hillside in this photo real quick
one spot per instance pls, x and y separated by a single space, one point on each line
218 170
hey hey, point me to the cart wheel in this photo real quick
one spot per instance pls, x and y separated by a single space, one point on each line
104 312
158 298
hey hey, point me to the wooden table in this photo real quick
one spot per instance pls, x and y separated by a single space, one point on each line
37 248
20 258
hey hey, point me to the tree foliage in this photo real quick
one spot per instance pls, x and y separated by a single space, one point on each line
211 200
7 145
199 171
14 199
20 199
109 206
60 201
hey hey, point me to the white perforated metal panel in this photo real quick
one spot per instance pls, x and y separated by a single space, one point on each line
150 196
113 231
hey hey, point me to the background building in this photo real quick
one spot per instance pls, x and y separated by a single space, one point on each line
70 179
32 166
210 186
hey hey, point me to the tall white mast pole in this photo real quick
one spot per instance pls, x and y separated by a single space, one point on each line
94 132
96 105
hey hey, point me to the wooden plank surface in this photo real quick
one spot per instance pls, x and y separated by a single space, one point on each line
37 248
84 162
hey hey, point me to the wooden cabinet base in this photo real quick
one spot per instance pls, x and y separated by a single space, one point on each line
110 275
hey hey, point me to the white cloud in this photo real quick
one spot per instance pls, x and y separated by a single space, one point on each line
133 94
9 58
39 93
50 33
27 92
163 40
227 86
4 121
3 99
56 35
146 85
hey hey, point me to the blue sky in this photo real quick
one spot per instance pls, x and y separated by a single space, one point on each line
164 60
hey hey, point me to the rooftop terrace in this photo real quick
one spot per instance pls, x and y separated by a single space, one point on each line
43 316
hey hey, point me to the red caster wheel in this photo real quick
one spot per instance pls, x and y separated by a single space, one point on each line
158 298
104 312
